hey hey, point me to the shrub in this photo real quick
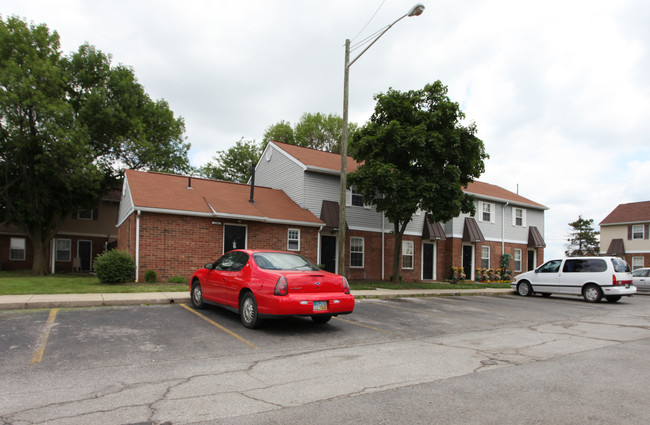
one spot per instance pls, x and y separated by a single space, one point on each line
177 279
150 276
114 267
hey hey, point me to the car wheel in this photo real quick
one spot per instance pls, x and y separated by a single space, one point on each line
197 295
592 293
613 298
524 289
248 311
321 318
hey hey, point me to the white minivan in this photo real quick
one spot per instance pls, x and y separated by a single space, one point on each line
591 277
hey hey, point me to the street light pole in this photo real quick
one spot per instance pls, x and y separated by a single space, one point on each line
415 11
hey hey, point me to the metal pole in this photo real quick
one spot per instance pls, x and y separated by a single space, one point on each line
344 163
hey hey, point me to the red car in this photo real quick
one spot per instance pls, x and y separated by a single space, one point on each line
265 284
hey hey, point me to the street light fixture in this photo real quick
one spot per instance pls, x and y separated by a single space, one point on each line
415 11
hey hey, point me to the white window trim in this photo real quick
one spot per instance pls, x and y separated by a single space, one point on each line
634 232
69 251
481 204
348 200
521 259
514 217
289 240
80 211
412 254
483 256
16 247
362 252
634 263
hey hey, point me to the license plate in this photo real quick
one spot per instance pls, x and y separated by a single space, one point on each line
320 305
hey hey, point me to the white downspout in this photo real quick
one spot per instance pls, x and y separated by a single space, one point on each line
137 245
382 245
503 225
53 253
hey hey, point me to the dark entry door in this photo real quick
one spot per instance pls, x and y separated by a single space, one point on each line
234 238
84 252
468 260
328 252
531 260
427 261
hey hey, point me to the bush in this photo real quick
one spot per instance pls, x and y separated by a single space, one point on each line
114 267
150 276
177 279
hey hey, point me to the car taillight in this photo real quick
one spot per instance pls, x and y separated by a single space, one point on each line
616 282
346 285
281 287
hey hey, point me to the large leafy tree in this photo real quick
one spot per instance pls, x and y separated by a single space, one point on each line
416 154
314 130
235 163
69 125
583 238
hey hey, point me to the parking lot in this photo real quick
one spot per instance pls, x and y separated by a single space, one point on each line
446 357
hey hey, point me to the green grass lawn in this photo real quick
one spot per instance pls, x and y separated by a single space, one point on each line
18 283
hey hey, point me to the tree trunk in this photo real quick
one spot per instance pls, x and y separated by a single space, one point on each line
39 262
397 251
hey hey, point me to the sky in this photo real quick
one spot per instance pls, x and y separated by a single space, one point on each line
559 90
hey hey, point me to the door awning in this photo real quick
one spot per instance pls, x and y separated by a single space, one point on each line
433 231
329 213
616 248
535 239
471 231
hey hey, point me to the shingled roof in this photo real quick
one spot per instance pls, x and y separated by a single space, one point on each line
328 162
174 194
634 212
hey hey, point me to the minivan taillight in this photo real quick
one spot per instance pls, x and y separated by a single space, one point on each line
281 287
616 282
346 285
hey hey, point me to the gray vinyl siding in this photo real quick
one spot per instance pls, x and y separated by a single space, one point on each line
320 187
281 173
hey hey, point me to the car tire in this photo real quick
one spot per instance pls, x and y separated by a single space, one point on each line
592 293
613 298
321 318
524 289
197 295
248 311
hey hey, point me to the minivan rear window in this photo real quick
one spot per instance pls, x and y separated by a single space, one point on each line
620 265
589 265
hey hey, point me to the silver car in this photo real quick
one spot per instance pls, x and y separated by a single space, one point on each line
641 278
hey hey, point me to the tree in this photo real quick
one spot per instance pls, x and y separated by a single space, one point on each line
416 154
583 238
315 131
234 164
68 127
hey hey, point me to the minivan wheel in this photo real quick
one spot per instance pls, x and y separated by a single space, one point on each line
592 293
524 289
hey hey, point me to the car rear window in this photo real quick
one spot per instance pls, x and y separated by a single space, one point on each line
588 265
283 261
620 265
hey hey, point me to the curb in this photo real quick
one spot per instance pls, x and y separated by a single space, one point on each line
21 302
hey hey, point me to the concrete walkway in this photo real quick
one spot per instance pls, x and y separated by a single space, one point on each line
14 302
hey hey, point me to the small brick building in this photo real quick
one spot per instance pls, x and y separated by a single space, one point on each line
175 224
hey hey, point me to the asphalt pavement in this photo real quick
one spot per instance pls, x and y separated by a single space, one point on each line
16 302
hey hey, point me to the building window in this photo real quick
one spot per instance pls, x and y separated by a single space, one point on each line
63 249
357 198
485 257
518 217
517 259
17 249
86 214
356 252
637 231
637 263
293 240
486 212
407 254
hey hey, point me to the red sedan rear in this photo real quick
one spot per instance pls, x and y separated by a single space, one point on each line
264 284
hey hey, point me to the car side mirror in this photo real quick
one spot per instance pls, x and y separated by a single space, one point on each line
536 270
209 266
